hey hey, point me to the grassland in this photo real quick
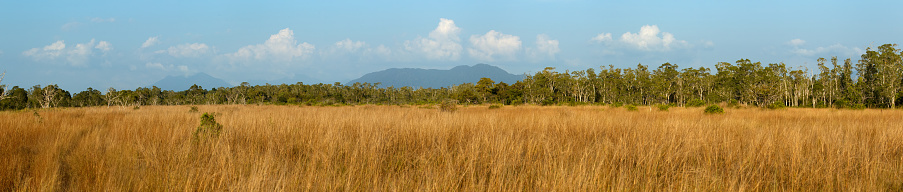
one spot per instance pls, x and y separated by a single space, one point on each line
400 148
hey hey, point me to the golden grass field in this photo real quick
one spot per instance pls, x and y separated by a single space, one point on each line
401 148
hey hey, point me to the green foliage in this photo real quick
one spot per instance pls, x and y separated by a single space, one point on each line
857 106
449 106
714 109
194 109
209 129
663 107
495 106
37 117
742 83
695 103
776 105
631 107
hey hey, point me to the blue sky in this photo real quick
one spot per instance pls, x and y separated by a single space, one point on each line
126 44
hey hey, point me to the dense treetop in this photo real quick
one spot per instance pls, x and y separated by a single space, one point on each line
875 80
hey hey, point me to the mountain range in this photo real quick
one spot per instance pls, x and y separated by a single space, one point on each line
436 78
394 77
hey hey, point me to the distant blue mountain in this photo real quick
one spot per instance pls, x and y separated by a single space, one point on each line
435 78
181 83
307 80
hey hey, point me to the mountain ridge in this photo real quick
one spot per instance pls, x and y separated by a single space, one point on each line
437 78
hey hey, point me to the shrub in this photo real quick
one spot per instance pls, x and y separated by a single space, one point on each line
776 105
713 109
495 106
616 104
194 109
448 106
663 107
695 103
547 102
630 107
208 129
136 108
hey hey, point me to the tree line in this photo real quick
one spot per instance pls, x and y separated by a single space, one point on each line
874 81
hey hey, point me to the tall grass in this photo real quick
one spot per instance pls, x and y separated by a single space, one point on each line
388 148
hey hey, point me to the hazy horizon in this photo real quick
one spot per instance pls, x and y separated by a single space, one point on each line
126 45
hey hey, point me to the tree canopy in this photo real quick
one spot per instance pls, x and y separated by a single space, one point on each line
875 81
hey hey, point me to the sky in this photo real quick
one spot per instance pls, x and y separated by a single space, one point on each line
131 44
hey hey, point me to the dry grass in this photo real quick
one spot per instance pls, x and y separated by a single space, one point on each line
391 148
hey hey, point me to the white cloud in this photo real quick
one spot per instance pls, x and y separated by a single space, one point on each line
166 68
104 46
833 50
77 55
649 38
349 46
281 47
188 50
70 26
151 41
545 48
380 52
442 43
51 51
493 44
708 44
796 42
602 37
160 66
102 20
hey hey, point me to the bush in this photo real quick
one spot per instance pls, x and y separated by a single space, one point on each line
663 107
495 106
136 108
616 104
630 107
713 109
695 103
776 105
208 129
448 106
547 102
194 109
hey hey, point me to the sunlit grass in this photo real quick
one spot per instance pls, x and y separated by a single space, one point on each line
513 148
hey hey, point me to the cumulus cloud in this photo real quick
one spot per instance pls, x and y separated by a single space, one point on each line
602 37
832 50
442 43
545 48
188 50
494 45
77 55
281 47
151 41
51 51
104 46
796 42
166 68
649 38
349 46
70 26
